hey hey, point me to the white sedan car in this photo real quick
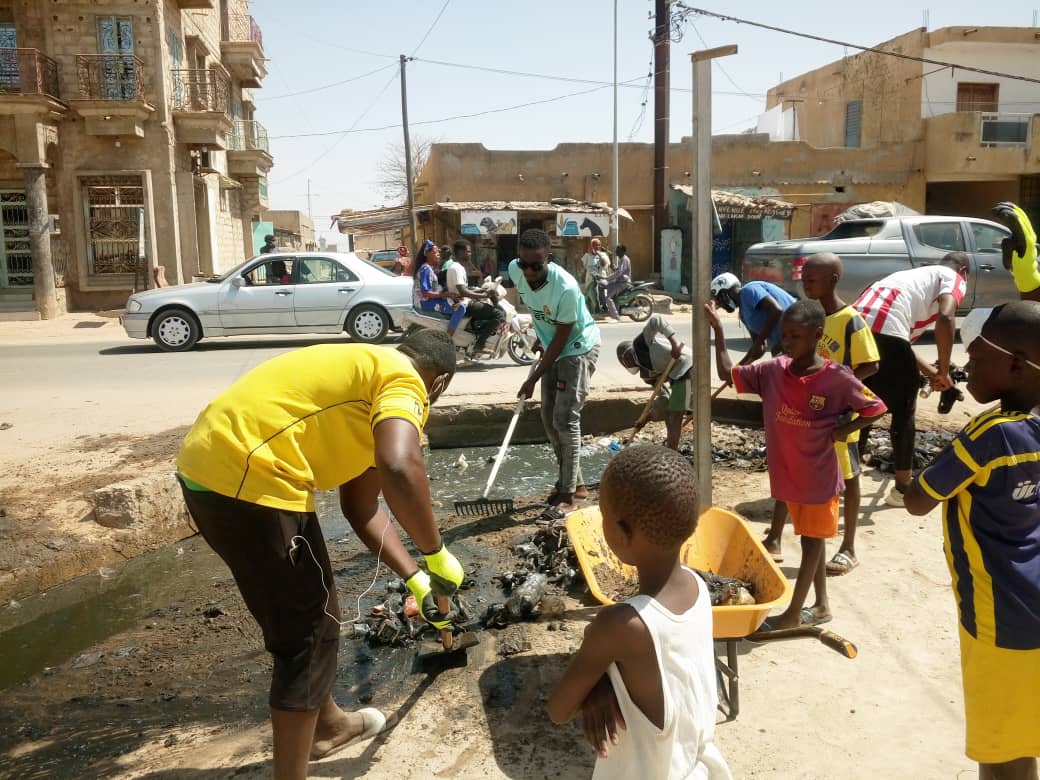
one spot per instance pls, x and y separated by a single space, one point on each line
302 292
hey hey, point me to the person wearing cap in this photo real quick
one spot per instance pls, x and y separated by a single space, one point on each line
648 355
761 305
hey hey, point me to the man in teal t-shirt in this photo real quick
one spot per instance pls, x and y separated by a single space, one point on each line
570 346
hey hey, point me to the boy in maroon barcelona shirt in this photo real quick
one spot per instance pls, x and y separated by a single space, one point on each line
806 403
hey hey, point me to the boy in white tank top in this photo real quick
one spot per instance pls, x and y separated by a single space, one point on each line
654 652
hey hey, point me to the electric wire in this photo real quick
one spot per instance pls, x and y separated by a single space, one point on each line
430 30
330 86
872 49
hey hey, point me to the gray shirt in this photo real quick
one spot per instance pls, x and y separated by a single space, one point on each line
656 334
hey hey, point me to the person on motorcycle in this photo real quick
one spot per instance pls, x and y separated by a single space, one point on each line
429 294
485 316
617 280
648 355
761 304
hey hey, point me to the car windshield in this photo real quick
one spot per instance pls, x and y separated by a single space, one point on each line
379 268
228 274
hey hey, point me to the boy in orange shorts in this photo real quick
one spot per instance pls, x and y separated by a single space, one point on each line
805 400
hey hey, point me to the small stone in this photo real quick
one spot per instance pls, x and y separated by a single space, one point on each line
170 741
55 544
213 611
85 660
513 640
6 426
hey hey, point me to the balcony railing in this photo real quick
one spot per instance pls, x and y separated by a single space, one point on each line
27 72
198 89
243 27
1004 129
110 77
247 135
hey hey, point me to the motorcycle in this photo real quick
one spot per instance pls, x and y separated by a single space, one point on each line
515 335
635 302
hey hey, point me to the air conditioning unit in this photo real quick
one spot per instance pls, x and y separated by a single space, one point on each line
1004 130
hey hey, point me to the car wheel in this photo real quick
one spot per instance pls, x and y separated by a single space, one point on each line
176 330
368 323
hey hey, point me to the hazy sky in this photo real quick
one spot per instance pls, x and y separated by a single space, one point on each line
317 43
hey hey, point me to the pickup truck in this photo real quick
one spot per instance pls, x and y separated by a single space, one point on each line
874 248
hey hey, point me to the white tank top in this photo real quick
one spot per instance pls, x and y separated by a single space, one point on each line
684 747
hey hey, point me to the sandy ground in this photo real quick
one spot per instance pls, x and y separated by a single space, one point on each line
182 696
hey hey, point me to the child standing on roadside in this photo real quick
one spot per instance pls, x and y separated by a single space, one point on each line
804 399
846 340
655 650
989 482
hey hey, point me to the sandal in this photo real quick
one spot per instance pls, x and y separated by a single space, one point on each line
841 563
374 723
810 618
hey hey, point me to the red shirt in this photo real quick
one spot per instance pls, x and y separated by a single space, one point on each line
799 413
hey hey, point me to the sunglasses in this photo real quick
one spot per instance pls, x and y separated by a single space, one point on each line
536 267
985 340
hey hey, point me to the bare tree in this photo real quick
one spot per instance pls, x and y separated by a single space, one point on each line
392 176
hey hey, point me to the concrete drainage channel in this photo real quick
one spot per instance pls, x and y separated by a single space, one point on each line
52 627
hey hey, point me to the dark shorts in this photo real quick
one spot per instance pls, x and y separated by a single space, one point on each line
287 598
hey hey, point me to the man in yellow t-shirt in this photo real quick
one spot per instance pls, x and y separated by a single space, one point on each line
846 340
335 415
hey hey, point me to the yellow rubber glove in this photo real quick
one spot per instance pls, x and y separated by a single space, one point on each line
1023 246
419 585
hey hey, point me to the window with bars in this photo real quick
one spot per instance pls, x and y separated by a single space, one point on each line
115 223
978 97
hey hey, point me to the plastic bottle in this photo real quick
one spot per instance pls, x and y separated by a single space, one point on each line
524 598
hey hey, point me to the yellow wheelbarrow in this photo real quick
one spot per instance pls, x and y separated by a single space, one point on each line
723 544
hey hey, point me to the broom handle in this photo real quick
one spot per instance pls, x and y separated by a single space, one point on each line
653 397
509 435
719 389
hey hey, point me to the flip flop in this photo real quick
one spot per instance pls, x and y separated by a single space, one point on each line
810 618
374 722
841 563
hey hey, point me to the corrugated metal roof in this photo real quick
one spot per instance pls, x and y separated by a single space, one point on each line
394 217
732 205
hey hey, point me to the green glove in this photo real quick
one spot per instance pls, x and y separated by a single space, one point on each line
1020 252
420 586
446 572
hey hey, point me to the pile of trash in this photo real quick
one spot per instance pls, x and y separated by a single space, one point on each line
735 447
877 451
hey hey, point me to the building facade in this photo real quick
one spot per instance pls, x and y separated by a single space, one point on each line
129 147
978 133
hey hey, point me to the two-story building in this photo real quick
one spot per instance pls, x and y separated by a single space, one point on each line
977 133
129 150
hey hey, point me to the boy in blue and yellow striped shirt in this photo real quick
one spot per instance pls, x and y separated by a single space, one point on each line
989 480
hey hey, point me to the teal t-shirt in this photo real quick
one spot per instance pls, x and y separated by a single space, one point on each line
558 300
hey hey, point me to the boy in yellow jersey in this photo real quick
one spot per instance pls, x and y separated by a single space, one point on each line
335 415
847 341
988 480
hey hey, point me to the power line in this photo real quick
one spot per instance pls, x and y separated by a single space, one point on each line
329 86
343 134
474 115
439 15
720 66
872 49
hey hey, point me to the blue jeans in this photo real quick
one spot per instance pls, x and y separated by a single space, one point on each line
443 306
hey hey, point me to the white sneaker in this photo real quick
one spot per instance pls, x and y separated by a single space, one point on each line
895 497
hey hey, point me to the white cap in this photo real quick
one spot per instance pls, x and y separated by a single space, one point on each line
971 326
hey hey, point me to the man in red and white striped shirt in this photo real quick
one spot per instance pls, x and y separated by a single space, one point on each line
899 309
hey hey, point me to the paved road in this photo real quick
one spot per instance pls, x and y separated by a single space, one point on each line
60 384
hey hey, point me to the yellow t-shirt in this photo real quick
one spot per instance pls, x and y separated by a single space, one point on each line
301 422
847 340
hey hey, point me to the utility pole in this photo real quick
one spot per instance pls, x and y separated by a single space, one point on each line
701 271
615 223
310 211
662 37
408 155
